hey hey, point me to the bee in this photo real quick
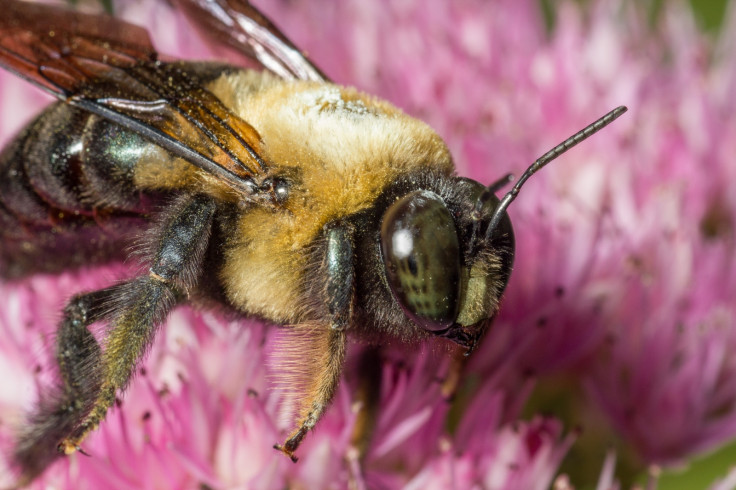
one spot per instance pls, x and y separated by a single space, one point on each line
273 193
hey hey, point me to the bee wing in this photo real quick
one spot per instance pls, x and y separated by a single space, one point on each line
239 25
110 68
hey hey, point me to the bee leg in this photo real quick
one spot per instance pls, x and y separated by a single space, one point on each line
368 397
320 392
61 410
143 303
454 374
365 406
328 341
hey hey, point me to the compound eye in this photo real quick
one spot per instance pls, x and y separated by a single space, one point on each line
421 253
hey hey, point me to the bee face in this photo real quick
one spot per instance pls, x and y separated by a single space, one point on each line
439 285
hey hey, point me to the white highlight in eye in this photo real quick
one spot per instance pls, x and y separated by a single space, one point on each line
403 243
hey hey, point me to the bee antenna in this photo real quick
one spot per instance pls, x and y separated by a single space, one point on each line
488 192
477 213
544 160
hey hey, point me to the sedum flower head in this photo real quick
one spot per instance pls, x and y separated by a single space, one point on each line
616 329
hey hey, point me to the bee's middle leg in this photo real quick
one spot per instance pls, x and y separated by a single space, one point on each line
60 411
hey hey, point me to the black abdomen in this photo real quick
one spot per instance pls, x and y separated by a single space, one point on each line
67 195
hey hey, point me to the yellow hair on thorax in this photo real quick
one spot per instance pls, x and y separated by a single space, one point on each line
339 148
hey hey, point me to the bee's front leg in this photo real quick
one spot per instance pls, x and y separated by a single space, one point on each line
368 395
326 354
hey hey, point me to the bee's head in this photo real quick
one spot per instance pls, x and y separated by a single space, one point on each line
444 272
448 260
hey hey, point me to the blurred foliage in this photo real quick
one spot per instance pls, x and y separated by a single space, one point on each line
709 14
561 396
700 472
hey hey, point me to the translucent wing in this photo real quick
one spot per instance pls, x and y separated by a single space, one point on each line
239 25
110 68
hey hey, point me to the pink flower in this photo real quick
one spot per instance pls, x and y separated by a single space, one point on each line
623 286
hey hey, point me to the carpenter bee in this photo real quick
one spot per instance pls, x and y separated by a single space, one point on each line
274 193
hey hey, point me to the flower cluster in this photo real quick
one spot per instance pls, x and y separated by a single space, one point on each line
617 325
